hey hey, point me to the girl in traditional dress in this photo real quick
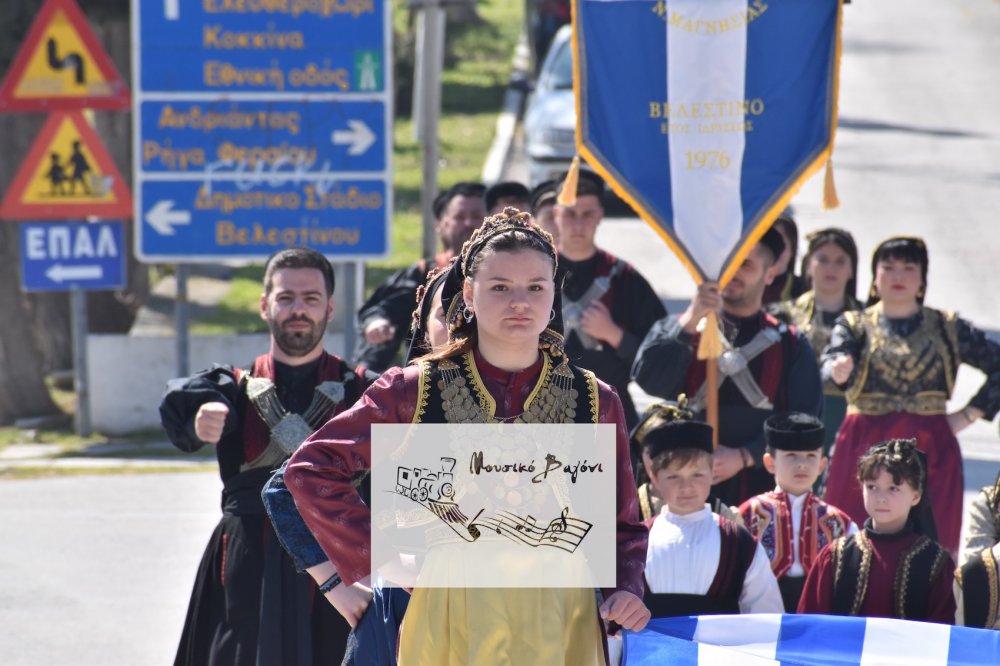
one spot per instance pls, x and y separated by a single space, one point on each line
897 361
830 270
503 363
893 568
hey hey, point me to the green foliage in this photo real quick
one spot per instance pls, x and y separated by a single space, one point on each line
239 311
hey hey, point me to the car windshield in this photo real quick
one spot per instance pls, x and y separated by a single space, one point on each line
561 72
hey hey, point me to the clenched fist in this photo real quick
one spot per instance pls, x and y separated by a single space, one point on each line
379 331
209 421
841 368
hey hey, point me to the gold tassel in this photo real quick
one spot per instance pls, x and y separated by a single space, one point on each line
567 195
830 199
710 345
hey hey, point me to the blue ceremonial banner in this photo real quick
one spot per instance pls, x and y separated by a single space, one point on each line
707 116
807 640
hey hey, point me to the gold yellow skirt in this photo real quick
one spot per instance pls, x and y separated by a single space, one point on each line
501 627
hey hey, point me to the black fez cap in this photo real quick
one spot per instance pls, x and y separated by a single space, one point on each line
675 435
544 194
794 431
587 183
506 190
774 241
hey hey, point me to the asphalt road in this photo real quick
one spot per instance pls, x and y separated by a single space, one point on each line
98 569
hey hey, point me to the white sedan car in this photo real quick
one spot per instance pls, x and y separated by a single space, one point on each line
550 118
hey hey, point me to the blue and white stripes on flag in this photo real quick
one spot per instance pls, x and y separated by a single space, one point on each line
807 640
707 115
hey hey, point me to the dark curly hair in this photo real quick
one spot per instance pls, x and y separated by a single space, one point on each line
899 458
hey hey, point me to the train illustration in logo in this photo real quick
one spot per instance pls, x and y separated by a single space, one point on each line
421 483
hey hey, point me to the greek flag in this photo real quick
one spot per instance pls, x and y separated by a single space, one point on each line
807 640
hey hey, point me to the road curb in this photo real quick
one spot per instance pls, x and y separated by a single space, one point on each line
513 102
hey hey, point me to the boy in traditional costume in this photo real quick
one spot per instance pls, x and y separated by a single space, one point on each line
650 501
698 562
893 568
790 522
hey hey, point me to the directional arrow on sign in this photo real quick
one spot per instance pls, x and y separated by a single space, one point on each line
360 137
163 217
59 273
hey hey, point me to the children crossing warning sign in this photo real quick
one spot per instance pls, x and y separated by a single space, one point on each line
62 65
67 174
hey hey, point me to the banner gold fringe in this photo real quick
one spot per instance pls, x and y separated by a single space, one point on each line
567 195
830 199
710 345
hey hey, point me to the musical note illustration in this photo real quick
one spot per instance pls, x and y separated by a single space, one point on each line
435 492
473 530
558 526
567 532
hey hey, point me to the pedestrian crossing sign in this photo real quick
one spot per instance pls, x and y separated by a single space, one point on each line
62 65
67 174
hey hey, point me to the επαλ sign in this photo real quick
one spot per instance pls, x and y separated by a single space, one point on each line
59 256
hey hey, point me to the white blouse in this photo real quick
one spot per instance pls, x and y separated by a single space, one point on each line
683 557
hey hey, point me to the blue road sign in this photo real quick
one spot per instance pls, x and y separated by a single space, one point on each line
259 125
337 217
224 47
203 137
57 256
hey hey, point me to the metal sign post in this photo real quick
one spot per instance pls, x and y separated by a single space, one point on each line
74 257
431 63
81 382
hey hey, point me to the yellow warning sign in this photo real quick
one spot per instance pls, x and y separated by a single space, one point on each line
62 65
67 174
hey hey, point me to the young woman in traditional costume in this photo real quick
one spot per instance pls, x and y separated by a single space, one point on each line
503 363
897 361
829 270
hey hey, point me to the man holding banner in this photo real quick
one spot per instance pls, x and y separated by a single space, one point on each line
766 367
